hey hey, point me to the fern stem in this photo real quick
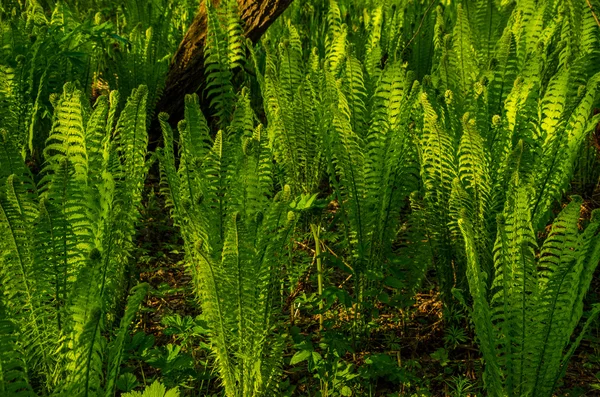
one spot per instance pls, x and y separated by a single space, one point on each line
316 231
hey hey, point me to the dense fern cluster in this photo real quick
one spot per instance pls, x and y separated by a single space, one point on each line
395 140
99 45
510 90
66 239
236 231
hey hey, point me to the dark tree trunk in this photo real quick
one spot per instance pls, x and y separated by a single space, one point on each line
186 72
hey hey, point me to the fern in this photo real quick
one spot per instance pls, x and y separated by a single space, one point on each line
68 242
115 354
13 372
223 52
535 305
372 173
291 105
522 113
234 232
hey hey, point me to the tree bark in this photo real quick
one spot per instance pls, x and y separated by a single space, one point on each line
187 74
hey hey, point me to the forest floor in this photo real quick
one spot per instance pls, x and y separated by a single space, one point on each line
431 356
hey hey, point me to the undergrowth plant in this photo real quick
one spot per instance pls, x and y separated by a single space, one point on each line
236 231
521 95
98 45
527 308
66 242
334 114
430 140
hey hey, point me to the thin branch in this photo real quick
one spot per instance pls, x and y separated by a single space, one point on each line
420 26
593 13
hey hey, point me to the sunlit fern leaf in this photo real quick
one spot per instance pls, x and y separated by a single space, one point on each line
338 50
555 166
67 138
463 58
527 26
441 47
438 171
515 244
196 131
438 166
354 89
277 97
234 234
96 134
67 197
521 110
390 161
132 139
348 160
489 21
536 296
25 299
190 158
373 51
125 169
57 248
473 167
241 127
500 147
291 101
461 205
235 42
504 69
481 315
219 88
291 67
272 241
90 346
256 170
334 21
237 261
85 340
553 104
559 269
66 249
62 16
214 184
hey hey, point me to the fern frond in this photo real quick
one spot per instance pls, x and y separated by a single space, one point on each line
217 63
14 380
115 350
463 58
482 314
67 138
